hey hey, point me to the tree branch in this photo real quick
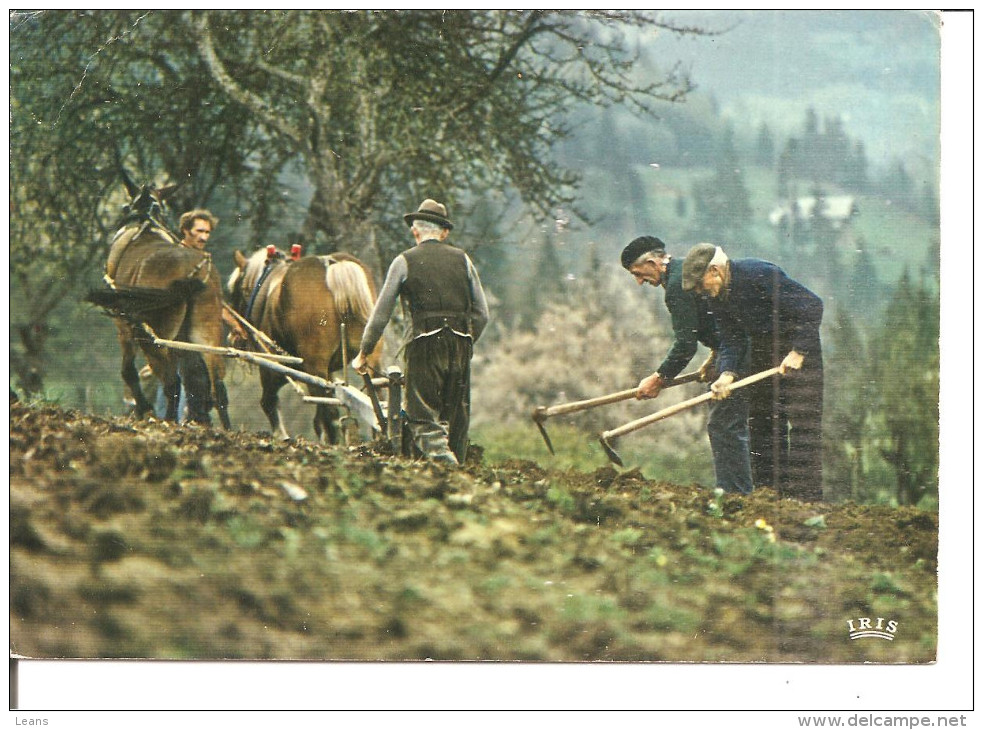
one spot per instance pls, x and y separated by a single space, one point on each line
253 102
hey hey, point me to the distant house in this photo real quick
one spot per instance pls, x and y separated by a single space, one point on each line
837 209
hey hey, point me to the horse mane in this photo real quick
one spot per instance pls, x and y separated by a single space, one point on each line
254 267
152 225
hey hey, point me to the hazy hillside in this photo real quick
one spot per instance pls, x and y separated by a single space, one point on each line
878 69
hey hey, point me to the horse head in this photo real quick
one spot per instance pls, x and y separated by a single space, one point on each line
147 202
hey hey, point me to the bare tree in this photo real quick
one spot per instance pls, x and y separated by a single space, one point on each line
375 109
384 107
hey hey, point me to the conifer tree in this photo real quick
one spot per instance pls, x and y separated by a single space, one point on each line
906 372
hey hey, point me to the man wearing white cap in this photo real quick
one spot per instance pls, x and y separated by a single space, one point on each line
766 316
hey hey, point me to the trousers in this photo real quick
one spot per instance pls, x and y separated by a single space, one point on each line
438 393
785 422
727 428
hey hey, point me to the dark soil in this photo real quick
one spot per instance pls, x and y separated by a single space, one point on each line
146 539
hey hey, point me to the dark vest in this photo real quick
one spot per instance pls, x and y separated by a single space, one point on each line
437 290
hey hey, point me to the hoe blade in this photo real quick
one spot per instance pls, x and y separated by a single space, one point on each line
546 437
611 453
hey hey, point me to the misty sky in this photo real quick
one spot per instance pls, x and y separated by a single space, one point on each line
877 70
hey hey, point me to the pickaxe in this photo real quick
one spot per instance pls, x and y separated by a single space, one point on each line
541 413
671 411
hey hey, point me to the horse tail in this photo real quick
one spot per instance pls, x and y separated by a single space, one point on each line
350 287
138 302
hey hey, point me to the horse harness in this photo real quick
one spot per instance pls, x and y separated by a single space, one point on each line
267 270
248 312
113 262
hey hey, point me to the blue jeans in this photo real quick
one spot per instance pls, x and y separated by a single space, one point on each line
730 443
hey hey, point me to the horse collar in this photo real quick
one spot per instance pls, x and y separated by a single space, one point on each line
206 259
267 268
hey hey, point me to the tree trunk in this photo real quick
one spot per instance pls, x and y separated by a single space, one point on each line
902 468
323 224
30 367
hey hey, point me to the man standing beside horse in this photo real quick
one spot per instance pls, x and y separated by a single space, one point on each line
196 226
439 287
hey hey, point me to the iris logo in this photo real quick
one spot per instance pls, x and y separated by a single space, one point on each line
866 628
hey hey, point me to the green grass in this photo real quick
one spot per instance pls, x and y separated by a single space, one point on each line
563 500
245 532
628 537
582 608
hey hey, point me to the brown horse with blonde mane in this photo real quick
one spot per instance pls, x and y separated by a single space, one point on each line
159 288
301 305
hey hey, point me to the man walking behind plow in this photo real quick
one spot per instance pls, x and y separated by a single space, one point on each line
439 287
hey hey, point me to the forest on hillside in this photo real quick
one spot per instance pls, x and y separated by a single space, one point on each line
553 138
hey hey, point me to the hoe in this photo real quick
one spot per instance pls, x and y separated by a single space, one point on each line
541 413
671 411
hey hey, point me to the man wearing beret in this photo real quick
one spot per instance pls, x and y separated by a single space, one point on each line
440 289
646 259
770 319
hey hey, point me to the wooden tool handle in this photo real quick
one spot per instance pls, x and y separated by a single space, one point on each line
685 405
604 400
582 405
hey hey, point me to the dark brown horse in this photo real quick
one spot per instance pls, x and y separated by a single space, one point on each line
301 305
159 288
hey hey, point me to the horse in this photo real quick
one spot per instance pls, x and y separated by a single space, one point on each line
300 305
159 288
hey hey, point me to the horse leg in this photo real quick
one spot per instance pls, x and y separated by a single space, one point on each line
325 418
197 388
172 397
172 391
222 404
220 396
331 417
128 370
203 326
270 402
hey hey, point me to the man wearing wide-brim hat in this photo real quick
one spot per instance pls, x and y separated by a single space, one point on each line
440 289
773 320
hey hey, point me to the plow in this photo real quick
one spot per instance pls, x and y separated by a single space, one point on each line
367 416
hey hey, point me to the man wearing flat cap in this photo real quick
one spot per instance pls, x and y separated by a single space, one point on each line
440 289
646 259
770 319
